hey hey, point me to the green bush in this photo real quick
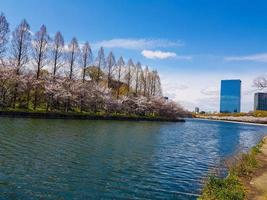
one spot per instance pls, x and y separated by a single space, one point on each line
223 189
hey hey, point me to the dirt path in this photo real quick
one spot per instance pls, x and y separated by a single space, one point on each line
258 184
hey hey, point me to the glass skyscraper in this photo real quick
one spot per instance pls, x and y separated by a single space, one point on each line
260 101
230 96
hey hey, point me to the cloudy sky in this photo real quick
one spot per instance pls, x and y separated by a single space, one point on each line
193 44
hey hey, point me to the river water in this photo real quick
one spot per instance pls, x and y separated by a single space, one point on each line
72 159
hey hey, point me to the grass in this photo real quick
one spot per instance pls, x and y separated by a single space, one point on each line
232 187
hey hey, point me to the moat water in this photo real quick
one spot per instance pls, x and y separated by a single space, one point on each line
72 159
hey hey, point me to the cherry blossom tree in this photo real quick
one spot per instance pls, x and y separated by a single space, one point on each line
103 86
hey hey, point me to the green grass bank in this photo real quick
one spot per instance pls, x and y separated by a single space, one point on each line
234 186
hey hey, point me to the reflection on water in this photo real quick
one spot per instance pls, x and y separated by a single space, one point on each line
65 159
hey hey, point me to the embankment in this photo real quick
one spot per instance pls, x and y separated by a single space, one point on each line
247 178
85 116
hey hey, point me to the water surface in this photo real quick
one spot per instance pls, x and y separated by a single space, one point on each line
72 159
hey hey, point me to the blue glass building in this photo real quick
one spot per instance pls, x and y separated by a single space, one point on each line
230 96
260 101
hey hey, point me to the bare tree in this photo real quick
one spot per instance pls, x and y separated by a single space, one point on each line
119 66
129 75
40 55
157 85
138 69
73 56
260 83
40 49
145 80
141 82
87 58
20 45
111 62
100 63
4 30
57 53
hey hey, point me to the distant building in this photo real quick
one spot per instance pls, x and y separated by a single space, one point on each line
196 109
260 101
230 100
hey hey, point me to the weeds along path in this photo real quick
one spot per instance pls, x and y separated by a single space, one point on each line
258 184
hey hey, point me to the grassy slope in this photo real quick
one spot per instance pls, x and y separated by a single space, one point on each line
232 187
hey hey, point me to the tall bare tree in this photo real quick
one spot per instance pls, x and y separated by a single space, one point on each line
120 65
141 82
4 30
40 49
129 75
57 52
157 90
87 58
145 81
111 62
138 69
73 56
100 63
20 45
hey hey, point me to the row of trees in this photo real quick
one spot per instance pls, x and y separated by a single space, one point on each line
37 71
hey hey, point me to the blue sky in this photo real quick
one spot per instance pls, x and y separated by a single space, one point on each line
193 44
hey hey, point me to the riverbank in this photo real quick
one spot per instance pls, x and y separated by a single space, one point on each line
241 119
85 116
247 178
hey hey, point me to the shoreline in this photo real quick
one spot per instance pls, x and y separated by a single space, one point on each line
246 177
231 121
83 116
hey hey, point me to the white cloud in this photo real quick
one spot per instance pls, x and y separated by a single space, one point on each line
128 43
163 55
255 57
158 54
